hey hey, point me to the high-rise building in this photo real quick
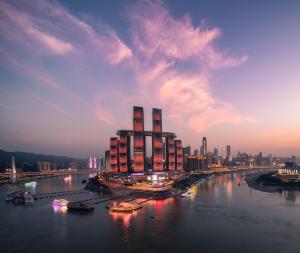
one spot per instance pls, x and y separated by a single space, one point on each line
139 142
228 153
157 144
216 152
178 155
106 160
113 155
203 149
186 150
124 151
170 153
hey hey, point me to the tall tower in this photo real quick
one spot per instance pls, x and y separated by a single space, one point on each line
124 151
157 144
113 155
228 153
13 168
139 142
178 155
94 163
204 146
170 153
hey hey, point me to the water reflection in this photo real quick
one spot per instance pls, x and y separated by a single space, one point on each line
125 218
60 209
289 195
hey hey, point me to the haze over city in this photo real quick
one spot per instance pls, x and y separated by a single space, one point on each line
71 72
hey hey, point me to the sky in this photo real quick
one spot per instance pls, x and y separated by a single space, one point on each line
71 71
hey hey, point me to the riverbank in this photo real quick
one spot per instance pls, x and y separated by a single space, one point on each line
268 182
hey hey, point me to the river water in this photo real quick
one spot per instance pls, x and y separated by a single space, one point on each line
222 215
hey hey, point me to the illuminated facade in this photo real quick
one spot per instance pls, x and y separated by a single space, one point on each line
124 152
157 143
113 155
178 155
170 153
164 157
139 148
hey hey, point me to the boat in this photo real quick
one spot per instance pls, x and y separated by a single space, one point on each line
21 197
28 198
11 196
186 193
60 202
79 206
124 207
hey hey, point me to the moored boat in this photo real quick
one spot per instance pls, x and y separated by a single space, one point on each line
11 196
60 202
123 207
79 206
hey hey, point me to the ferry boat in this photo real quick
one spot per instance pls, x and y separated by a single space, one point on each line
124 207
60 202
21 197
79 206
186 193
11 196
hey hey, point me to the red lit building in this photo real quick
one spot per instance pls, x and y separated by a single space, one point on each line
170 153
124 152
120 149
157 144
178 155
113 155
139 148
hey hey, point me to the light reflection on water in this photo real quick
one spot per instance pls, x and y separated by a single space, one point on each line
218 210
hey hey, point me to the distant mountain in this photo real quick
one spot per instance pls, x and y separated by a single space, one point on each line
22 158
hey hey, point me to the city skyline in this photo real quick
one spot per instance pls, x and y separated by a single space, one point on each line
69 78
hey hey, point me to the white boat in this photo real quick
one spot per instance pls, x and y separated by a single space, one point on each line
186 193
60 202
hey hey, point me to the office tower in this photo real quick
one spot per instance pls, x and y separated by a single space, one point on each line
94 163
124 151
170 153
228 153
186 150
113 155
139 146
178 155
204 146
216 152
196 152
157 144
106 160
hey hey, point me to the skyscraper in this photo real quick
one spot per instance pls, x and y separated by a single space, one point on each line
228 153
216 152
139 146
157 144
204 146
124 151
170 153
178 155
113 155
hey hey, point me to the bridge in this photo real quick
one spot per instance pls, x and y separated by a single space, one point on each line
18 176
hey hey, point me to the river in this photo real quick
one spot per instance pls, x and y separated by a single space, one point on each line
222 215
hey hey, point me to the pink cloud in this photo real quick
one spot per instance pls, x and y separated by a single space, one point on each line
53 43
104 116
162 47
53 105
